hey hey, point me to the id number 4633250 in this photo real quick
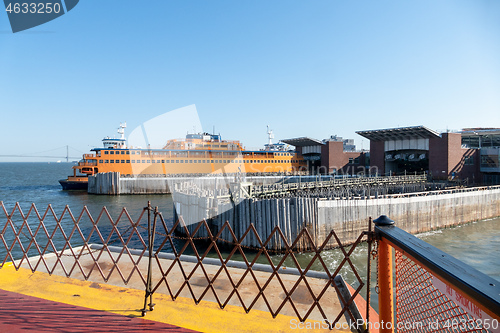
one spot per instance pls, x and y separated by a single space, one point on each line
33 8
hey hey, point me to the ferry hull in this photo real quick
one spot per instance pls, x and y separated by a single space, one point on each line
69 185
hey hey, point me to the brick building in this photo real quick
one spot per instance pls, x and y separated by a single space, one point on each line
471 154
331 156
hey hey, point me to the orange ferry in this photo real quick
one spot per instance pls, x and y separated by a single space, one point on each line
197 154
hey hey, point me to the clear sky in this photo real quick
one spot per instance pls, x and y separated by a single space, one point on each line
305 68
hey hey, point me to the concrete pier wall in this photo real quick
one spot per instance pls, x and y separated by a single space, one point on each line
413 213
417 212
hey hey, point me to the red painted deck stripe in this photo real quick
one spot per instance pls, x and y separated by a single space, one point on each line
21 313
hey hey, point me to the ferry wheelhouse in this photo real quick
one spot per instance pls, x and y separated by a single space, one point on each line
197 154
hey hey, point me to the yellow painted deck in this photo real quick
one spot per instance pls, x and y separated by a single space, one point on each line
126 301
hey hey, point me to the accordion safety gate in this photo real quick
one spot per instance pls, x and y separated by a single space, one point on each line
146 250
422 290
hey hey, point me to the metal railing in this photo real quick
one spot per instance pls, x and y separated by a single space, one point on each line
264 190
435 292
123 250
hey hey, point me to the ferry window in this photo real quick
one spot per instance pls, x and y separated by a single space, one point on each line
133 161
106 161
127 161
143 161
211 161
176 161
128 152
195 161
112 161
122 152
162 161
190 161
112 152
153 161
123 161
105 152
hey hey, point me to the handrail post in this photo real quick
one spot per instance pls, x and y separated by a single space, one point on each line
385 274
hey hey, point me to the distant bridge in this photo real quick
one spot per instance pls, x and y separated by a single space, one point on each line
58 153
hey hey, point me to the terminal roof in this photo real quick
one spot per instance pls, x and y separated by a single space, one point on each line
480 131
303 141
400 133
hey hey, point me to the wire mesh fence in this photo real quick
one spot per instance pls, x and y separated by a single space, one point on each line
425 304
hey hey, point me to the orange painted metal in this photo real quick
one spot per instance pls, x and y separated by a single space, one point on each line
385 274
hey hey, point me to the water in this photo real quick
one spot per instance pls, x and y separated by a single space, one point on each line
37 183
28 183
477 244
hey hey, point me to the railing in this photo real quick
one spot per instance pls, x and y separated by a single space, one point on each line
94 163
434 291
356 181
146 252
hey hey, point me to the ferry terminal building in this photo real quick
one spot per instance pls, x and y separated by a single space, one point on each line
472 154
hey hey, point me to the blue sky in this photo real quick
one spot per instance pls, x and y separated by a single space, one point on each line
305 68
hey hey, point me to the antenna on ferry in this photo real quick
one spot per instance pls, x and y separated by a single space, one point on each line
270 135
121 130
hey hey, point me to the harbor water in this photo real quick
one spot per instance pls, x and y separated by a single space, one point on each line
477 243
